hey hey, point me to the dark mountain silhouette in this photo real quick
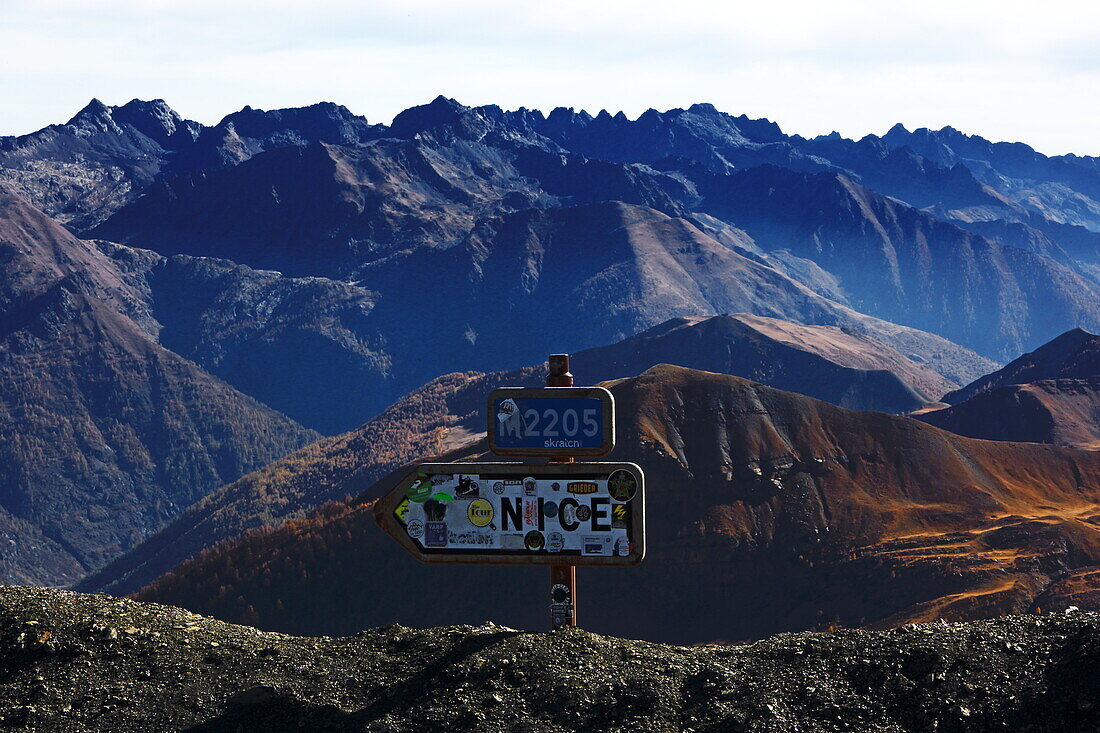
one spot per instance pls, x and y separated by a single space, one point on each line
822 361
767 511
1073 355
1060 411
950 190
1051 395
951 175
106 434
101 159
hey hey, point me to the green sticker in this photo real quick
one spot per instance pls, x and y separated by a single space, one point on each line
420 491
443 496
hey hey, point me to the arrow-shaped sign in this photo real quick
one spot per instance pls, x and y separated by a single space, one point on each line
519 513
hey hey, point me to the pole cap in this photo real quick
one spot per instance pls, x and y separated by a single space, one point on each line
560 375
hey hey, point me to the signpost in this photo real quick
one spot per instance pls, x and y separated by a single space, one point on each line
519 513
560 513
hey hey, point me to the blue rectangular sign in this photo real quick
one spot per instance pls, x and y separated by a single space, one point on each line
538 422
549 423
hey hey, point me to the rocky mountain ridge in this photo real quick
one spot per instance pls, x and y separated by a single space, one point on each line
359 208
97 663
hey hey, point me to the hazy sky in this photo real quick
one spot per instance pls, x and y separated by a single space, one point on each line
1007 70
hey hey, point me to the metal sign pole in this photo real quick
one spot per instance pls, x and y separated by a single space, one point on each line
563 578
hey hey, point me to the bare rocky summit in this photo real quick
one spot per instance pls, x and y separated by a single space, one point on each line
76 662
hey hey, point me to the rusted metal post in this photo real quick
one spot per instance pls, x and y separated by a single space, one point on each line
563 578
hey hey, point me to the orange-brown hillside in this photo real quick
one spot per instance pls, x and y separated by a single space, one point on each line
767 511
826 362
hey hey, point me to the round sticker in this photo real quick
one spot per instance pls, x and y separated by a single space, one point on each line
555 542
555 486
584 512
498 488
480 512
550 508
622 485
534 540
415 528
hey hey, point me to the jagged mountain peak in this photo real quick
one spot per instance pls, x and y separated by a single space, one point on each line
153 118
440 112
897 135
566 115
250 131
703 108
156 120
93 109
322 121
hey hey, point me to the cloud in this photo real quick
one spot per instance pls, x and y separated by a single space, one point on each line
1005 70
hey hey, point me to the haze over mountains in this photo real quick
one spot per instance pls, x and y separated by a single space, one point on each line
224 291
106 433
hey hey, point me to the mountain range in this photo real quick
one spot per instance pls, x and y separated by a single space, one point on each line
184 304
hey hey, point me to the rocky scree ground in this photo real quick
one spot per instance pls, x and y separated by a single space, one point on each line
89 662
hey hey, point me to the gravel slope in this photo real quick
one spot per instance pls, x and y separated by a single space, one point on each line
88 662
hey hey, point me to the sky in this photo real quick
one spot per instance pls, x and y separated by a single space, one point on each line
1019 71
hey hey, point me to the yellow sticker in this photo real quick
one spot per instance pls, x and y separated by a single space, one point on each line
480 512
581 487
402 510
